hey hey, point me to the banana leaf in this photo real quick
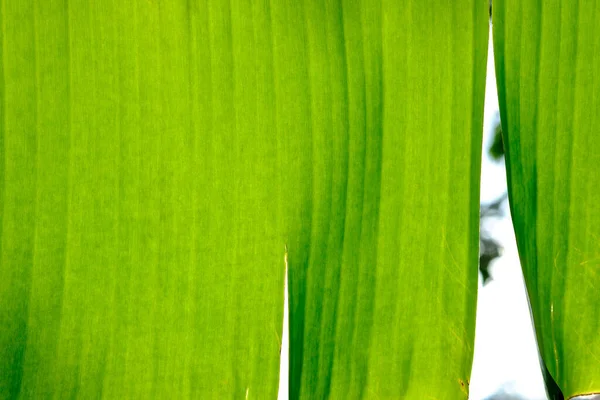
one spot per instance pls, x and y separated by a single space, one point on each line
388 102
548 69
142 255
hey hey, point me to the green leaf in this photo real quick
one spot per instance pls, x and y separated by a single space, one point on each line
162 161
548 68
384 195
141 250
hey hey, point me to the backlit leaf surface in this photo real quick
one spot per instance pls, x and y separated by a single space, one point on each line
548 68
141 250
388 103
161 159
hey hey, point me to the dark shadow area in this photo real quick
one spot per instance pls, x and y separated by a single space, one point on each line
489 248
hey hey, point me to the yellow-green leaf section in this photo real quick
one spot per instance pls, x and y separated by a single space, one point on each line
141 251
548 68
161 160
386 103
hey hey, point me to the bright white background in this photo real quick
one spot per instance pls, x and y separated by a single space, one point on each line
506 358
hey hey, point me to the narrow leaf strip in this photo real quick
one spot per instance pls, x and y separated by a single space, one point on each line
548 68
380 105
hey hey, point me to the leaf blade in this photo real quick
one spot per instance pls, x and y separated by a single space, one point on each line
548 91
149 264
360 301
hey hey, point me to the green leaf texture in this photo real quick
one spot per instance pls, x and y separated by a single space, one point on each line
387 104
548 68
161 160
141 250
